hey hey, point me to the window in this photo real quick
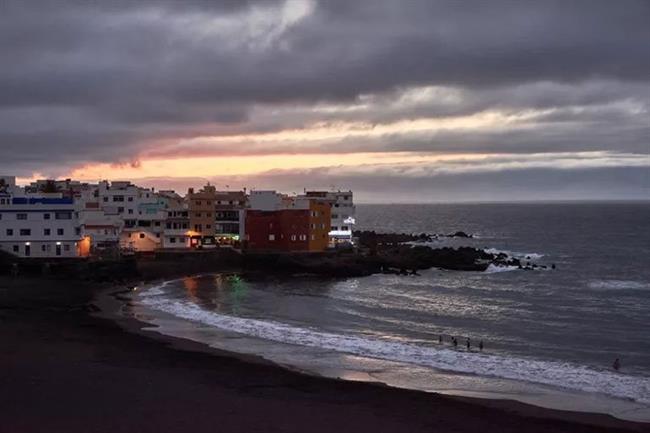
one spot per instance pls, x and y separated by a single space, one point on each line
313 237
172 240
141 235
10 232
25 232
198 215
43 247
209 214
63 215
59 232
169 225
293 238
334 216
66 247
46 232
130 211
335 228
157 235
118 198
120 210
105 199
208 226
156 223
345 228
303 237
130 198
198 202
77 231
271 237
21 216
15 248
46 216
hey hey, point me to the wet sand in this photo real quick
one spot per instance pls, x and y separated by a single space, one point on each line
65 369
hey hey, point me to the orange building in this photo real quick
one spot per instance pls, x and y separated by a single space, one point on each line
320 217
201 214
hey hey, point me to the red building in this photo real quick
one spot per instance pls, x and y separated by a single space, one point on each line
288 229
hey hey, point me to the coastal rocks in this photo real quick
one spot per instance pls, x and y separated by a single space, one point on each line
460 234
372 239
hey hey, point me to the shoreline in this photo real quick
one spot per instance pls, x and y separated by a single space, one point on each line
156 324
73 371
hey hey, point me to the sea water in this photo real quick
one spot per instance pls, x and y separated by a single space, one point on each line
550 336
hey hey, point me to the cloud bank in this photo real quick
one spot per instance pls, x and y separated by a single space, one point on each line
88 84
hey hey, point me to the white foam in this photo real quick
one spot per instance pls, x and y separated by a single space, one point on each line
494 269
618 285
526 256
559 374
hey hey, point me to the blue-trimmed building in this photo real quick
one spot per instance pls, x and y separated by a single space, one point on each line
39 225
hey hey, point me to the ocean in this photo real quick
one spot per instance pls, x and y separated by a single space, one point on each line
550 336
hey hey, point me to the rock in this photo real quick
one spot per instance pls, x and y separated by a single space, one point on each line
461 234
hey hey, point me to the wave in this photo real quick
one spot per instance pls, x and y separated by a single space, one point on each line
618 285
559 374
494 269
528 256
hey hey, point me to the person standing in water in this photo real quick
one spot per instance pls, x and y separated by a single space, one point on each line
440 339
480 345
468 345
455 342
617 364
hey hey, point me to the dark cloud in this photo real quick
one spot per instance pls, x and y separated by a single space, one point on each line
109 81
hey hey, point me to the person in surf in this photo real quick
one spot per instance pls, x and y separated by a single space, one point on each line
469 346
480 345
617 364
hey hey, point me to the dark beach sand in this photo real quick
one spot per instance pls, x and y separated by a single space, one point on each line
65 370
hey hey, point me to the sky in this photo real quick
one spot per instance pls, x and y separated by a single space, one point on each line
413 101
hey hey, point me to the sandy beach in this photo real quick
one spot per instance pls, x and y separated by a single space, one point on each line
65 370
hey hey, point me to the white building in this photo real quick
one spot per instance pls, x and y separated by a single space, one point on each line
343 214
141 210
230 216
103 224
176 231
40 225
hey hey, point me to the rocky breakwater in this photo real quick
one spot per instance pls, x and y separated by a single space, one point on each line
384 253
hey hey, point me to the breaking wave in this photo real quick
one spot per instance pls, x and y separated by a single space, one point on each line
515 254
559 374
618 285
494 269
